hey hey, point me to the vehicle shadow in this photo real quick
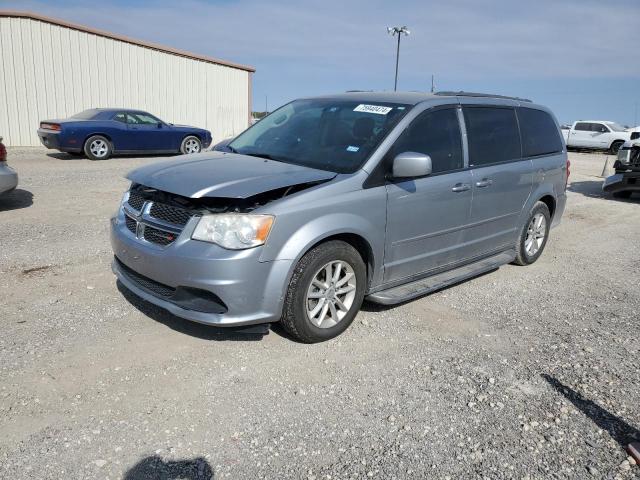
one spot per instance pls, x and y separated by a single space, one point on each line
155 468
16 200
620 431
198 330
66 156
593 189
80 156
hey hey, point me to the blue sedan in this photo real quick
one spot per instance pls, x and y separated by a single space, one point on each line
102 132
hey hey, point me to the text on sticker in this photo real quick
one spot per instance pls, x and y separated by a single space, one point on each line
373 109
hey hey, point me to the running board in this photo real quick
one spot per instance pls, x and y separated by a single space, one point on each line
418 288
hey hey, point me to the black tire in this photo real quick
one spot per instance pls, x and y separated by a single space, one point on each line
523 257
615 146
295 317
190 144
97 147
623 195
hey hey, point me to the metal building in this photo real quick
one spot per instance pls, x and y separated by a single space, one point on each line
53 69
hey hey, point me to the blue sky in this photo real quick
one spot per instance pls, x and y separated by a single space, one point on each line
579 57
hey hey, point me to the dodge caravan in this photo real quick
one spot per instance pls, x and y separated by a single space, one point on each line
331 200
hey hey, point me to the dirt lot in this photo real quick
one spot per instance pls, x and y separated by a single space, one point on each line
526 372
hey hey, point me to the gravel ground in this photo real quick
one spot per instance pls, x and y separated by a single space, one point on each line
526 372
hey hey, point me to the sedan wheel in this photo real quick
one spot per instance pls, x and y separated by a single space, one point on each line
97 148
190 145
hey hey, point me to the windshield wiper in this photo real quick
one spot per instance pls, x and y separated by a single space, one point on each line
262 155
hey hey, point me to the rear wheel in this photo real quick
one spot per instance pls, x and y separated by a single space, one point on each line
615 146
190 144
534 235
325 292
97 148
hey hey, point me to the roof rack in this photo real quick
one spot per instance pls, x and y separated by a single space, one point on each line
473 94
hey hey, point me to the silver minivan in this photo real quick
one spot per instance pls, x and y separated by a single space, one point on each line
331 200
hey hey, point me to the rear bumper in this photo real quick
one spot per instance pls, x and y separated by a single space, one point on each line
249 291
53 139
622 182
8 179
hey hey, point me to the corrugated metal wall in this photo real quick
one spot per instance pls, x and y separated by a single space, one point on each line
49 71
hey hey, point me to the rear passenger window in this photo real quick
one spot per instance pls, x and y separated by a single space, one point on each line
585 127
492 134
437 134
539 133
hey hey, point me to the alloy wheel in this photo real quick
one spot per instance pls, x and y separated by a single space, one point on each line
536 232
99 148
192 146
331 294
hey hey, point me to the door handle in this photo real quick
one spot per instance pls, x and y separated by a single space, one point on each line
485 182
461 187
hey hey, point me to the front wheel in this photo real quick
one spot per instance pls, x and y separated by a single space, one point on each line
97 148
534 235
325 293
190 144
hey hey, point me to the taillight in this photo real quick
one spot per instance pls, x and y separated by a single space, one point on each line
50 126
568 173
3 152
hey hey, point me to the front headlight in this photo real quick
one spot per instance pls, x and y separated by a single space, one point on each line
624 155
234 231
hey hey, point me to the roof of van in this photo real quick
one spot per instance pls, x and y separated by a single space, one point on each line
412 98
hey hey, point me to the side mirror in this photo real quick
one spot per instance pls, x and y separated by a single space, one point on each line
159 124
411 164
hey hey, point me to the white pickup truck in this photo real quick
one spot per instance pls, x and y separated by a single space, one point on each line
596 134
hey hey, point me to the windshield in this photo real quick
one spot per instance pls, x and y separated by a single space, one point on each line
327 134
86 114
615 127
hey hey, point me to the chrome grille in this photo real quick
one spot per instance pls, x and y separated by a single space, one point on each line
135 200
154 222
168 213
131 223
155 235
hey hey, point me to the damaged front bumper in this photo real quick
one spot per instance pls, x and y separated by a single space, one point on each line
199 281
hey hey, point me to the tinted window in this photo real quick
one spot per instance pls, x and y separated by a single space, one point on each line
86 114
583 126
436 134
142 119
330 134
492 134
539 132
120 117
598 127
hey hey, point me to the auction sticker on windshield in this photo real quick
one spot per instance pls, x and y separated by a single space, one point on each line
373 109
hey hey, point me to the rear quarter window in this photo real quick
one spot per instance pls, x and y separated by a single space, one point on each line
493 135
539 133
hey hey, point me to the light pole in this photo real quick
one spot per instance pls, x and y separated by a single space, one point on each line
397 31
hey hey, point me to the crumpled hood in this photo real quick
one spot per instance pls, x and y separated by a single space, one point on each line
226 175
